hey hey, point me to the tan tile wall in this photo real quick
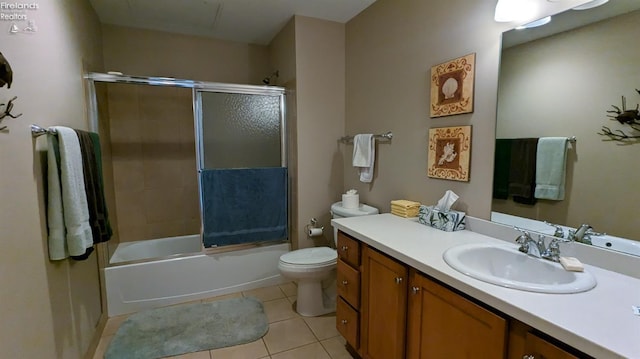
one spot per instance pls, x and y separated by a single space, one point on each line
154 163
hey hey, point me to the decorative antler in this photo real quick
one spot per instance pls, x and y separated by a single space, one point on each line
625 117
7 111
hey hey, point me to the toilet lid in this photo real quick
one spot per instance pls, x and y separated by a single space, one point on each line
316 255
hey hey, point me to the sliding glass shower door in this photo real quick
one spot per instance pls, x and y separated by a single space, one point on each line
242 165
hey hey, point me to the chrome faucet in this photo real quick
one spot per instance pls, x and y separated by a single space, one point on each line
583 234
537 248
530 246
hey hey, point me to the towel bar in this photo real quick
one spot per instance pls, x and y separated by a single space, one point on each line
384 136
39 131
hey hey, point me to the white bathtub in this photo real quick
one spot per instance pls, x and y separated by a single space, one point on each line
138 286
156 248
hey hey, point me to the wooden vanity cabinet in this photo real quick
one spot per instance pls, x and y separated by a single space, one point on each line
348 283
384 303
387 310
526 343
444 324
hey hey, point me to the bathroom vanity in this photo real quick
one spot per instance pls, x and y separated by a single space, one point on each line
398 298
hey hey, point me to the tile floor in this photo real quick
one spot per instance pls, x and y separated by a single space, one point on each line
290 335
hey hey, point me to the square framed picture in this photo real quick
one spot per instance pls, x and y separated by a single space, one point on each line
452 87
449 153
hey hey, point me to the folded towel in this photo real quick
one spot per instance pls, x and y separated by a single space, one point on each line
502 165
103 214
93 188
551 168
522 172
74 199
405 203
404 210
404 215
364 156
55 220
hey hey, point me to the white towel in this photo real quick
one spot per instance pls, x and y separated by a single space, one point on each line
551 168
74 198
364 152
55 221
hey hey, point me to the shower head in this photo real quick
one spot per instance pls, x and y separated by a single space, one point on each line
267 80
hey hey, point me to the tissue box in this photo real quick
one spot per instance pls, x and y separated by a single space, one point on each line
445 221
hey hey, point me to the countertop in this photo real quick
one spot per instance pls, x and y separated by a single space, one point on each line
599 322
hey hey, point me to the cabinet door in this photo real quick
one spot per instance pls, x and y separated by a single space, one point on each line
443 324
538 348
384 306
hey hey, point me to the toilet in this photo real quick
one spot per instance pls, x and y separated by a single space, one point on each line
314 269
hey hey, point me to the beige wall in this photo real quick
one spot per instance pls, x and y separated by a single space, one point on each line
48 309
320 96
391 47
562 86
282 57
154 53
154 161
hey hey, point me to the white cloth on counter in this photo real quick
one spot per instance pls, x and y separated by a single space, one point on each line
364 156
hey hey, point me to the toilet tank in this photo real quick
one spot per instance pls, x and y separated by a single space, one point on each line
337 211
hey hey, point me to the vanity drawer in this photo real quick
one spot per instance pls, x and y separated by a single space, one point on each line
348 250
349 284
347 323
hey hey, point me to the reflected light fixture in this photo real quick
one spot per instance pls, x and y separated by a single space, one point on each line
543 21
590 4
513 10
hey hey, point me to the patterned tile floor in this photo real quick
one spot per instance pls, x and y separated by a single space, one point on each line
290 335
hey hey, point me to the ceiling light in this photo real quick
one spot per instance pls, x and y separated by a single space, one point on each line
590 4
543 21
513 10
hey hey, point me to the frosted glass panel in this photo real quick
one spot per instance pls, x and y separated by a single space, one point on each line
240 130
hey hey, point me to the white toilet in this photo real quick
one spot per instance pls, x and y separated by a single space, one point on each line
314 269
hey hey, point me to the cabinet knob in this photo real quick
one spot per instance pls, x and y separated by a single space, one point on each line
345 248
398 280
528 356
344 282
415 290
343 321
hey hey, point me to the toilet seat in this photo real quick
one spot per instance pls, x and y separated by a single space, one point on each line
310 257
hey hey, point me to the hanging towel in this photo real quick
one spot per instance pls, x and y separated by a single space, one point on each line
55 218
364 152
103 214
244 205
93 188
74 201
551 168
502 165
522 171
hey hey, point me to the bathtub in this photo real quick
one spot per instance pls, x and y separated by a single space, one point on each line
131 287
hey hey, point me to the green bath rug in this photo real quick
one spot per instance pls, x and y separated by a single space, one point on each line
187 328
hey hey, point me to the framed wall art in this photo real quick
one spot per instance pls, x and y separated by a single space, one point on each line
449 153
452 86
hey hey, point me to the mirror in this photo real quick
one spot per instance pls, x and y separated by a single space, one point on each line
559 80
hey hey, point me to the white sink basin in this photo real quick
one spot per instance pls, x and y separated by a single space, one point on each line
507 267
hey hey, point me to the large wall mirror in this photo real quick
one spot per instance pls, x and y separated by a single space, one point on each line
559 80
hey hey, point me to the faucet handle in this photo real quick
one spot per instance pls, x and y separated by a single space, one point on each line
522 239
553 251
591 232
559 230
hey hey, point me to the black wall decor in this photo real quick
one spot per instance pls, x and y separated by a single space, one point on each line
6 75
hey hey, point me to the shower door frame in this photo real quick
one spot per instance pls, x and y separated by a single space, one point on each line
197 87
197 112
